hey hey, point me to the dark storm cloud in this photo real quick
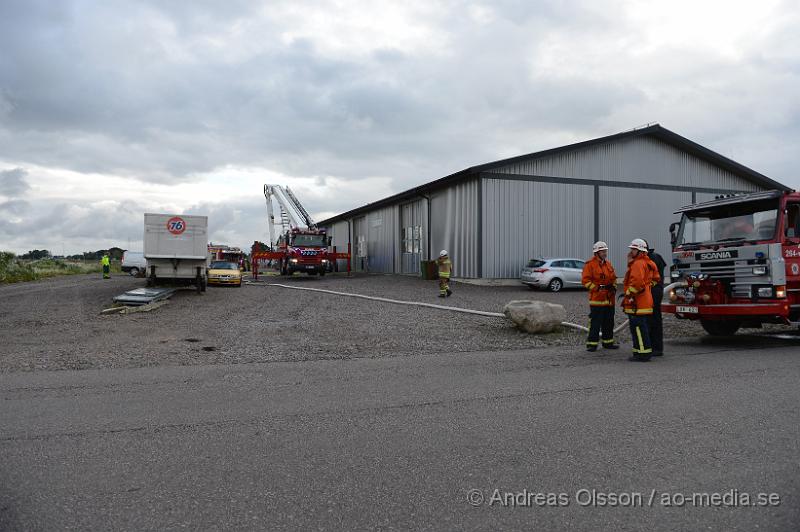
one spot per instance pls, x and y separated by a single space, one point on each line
159 91
13 182
93 96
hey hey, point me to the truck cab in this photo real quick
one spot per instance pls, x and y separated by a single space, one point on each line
736 262
304 250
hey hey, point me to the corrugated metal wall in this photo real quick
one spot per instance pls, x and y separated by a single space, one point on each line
382 240
640 159
359 258
626 214
524 219
454 226
340 236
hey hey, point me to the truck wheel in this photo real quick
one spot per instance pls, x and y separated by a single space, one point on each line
720 328
322 272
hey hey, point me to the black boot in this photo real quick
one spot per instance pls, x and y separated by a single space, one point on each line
639 358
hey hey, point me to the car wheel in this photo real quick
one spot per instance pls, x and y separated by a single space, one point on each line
134 272
555 285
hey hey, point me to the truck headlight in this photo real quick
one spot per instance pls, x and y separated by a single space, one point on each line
675 274
324 261
780 291
293 261
765 291
759 270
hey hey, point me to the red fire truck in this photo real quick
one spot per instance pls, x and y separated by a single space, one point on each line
736 262
301 246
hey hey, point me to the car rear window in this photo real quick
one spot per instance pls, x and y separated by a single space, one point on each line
535 263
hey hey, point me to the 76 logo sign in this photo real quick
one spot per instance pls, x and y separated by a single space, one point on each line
176 225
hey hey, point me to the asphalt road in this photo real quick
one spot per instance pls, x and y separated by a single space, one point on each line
399 442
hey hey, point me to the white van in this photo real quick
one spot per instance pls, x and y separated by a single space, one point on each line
133 262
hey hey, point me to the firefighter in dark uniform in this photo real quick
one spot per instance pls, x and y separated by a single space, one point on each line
655 322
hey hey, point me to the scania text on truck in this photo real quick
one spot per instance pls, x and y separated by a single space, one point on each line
736 262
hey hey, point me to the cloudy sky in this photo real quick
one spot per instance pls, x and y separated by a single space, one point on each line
109 109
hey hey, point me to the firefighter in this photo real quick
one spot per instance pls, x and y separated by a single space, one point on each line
445 269
637 300
601 281
655 322
106 262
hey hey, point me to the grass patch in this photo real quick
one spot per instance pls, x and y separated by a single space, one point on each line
15 270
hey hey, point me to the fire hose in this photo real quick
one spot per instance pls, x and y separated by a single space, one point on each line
420 304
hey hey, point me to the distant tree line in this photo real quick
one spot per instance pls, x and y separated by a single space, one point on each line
114 253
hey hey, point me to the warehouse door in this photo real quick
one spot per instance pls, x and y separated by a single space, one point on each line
411 236
359 257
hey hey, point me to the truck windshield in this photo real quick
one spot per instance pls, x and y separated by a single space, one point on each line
317 241
730 223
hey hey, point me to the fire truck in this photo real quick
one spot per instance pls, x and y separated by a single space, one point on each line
301 245
736 262
221 252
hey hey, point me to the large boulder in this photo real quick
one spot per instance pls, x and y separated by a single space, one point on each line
535 316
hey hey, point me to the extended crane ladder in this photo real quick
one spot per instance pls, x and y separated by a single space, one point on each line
299 206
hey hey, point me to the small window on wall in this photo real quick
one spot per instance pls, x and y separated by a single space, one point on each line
411 239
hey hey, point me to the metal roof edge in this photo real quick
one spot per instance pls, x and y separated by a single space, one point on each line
656 130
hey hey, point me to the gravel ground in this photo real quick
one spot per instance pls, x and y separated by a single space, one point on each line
56 323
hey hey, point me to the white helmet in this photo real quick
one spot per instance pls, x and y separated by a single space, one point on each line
599 246
443 253
639 244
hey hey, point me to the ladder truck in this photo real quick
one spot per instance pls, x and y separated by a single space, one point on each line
301 246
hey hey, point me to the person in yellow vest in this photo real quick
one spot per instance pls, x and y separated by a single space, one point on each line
106 262
445 269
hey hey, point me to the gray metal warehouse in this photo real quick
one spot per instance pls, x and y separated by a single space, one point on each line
493 217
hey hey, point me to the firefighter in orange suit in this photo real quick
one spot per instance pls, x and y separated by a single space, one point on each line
637 302
445 269
601 281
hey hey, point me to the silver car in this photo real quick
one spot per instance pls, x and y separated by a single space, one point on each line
553 274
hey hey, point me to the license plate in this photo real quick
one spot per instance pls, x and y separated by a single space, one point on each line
687 310
310 267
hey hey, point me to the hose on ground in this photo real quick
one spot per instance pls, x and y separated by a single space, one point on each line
420 304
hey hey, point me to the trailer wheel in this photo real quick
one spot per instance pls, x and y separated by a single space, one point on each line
720 328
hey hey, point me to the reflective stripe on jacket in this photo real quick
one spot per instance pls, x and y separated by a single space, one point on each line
597 274
445 266
638 281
